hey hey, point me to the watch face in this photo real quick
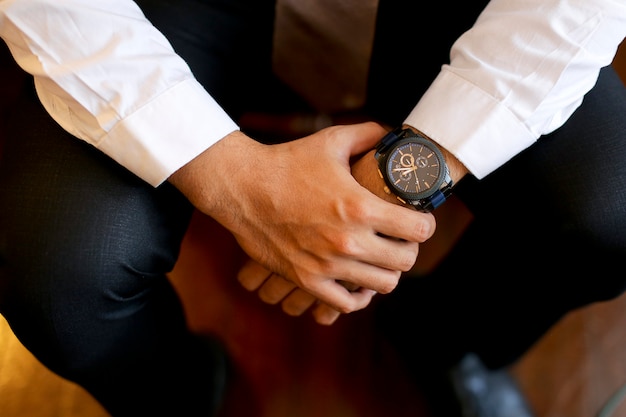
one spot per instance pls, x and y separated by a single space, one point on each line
413 168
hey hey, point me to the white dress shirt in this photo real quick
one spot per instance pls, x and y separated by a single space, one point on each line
107 76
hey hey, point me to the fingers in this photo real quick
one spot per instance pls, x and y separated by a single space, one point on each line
274 289
324 314
404 223
252 275
297 302
357 138
399 222
327 315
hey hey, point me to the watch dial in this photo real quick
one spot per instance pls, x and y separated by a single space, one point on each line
413 168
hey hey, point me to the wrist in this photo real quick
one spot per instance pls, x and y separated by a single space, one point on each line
455 166
414 168
207 179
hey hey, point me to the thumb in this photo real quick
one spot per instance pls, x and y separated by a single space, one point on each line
363 137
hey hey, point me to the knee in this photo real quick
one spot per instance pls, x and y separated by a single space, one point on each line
593 252
83 298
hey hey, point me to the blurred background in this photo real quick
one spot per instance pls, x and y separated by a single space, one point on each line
292 367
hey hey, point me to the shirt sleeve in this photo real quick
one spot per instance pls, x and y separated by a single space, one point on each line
109 77
518 73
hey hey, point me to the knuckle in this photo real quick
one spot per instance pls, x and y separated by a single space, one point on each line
267 298
292 310
346 244
424 229
359 210
346 308
407 262
390 284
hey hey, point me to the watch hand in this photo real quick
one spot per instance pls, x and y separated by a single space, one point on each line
405 169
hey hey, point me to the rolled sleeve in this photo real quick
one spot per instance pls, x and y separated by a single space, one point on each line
155 141
110 78
519 73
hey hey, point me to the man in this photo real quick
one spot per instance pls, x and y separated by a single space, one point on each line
157 87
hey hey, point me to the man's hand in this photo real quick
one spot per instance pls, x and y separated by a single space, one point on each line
274 289
296 209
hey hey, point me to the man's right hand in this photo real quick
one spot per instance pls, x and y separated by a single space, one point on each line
296 209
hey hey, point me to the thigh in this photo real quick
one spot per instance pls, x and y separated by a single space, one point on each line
398 78
570 183
227 44
85 245
549 234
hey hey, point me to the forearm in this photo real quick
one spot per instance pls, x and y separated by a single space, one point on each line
519 73
216 180
109 77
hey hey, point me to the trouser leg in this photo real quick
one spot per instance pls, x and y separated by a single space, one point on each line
85 245
549 236
549 233
226 43
411 42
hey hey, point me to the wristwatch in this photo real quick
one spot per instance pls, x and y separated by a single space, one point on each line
414 169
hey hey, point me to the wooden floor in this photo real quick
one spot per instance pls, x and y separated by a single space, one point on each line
291 367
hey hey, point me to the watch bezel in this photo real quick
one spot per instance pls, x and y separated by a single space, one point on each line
407 195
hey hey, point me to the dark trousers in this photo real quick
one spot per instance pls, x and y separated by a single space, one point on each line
548 236
85 245
549 233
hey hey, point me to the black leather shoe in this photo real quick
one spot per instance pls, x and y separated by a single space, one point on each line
428 327
469 389
487 393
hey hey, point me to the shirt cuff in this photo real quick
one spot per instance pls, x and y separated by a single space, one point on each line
168 132
481 132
